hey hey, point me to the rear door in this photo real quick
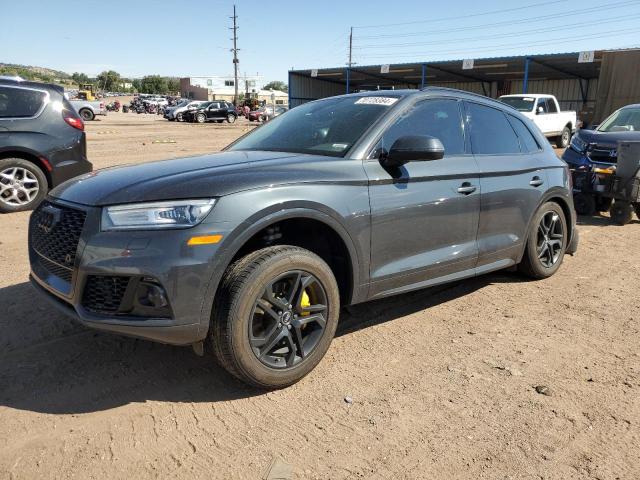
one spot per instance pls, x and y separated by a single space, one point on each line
424 214
511 181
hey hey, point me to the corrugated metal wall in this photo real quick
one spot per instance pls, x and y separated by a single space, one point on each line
304 89
566 91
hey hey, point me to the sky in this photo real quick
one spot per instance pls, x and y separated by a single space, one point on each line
192 37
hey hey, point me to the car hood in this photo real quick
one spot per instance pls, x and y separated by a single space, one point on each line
607 139
196 177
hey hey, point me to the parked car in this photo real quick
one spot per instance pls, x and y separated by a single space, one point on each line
216 111
42 142
175 113
257 115
342 200
88 110
545 112
599 146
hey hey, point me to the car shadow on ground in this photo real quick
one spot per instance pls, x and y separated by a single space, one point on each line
50 365
600 221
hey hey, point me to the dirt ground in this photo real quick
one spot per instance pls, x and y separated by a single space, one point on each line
436 384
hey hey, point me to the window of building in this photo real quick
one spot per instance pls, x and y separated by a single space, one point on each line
229 83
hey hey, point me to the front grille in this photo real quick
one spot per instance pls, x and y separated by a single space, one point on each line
104 294
603 154
54 233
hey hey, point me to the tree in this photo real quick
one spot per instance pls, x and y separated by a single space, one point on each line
109 81
173 85
276 85
80 78
154 84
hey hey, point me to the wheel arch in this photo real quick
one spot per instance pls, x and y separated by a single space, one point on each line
245 238
559 196
29 156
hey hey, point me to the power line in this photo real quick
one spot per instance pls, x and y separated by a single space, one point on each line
457 17
502 47
567 26
504 22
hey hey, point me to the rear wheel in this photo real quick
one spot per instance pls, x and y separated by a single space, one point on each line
621 212
565 137
86 114
275 316
22 185
546 243
584 204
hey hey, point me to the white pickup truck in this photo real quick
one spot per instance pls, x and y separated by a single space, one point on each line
545 112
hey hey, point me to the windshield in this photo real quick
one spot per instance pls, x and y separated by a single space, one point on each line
522 104
327 127
623 120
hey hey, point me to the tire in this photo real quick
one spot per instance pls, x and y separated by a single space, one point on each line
231 118
86 114
565 137
603 204
621 212
201 118
637 209
23 197
179 117
584 204
244 335
543 254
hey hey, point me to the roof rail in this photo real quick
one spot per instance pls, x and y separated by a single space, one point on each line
15 78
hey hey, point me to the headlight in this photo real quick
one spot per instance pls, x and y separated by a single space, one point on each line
156 215
578 144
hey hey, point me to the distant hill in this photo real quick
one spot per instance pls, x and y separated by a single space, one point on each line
39 74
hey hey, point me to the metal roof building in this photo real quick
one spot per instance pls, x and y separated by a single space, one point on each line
574 78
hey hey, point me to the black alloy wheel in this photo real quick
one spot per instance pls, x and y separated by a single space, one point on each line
550 240
288 319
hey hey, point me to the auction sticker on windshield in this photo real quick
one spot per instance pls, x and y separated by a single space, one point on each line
376 101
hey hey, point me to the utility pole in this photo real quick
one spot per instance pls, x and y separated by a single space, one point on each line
350 47
235 55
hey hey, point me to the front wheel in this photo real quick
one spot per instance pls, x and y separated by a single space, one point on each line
621 212
231 118
546 242
201 118
274 316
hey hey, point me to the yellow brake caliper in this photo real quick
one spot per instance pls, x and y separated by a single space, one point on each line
305 302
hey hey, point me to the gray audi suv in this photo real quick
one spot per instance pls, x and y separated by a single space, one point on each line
250 253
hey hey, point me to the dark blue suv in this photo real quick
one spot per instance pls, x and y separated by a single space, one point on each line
599 146
42 142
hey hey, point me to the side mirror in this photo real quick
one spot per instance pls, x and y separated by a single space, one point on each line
539 110
413 148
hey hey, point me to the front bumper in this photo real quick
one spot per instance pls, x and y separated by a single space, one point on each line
184 273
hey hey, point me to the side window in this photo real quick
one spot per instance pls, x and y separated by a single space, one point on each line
542 104
436 118
19 102
528 143
551 106
491 132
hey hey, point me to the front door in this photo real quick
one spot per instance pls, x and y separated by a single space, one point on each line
424 215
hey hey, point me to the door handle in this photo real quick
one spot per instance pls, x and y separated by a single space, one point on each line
466 188
536 182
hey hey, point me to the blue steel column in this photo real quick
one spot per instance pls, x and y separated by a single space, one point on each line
424 76
526 74
348 79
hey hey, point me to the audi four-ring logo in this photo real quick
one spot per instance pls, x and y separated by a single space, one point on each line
49 217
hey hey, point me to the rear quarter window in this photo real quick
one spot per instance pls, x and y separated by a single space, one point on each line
20 102
528 143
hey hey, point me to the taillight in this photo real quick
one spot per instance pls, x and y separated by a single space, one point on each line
75 122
